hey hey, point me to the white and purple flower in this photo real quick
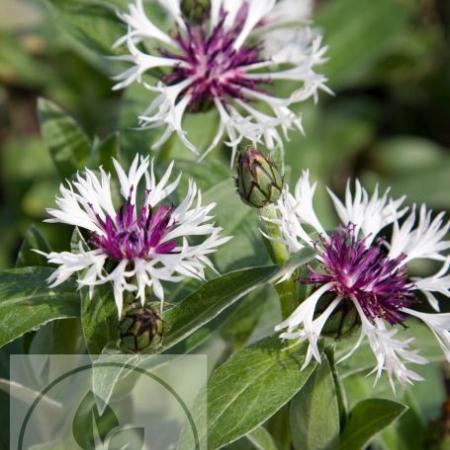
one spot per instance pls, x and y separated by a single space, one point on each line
228 62
136 248
357 267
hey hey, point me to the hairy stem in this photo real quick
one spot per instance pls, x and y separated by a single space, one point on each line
287 290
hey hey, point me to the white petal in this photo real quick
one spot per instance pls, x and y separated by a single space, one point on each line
427 240
439 282
369 214
391 354
439 324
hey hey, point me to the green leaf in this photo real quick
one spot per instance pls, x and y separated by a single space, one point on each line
27 303
367 419
99 318
241 322
247 246
104 151
409 432
206 175
217 295
93 26
211 300
67 143
33 240
251 387
261 439
89 425
424 405
314 415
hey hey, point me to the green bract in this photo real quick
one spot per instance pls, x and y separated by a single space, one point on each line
258 181
140 329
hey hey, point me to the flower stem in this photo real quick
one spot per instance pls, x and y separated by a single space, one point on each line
287 290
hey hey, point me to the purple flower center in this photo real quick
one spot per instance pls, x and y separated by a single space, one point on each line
135 236
213 64
364 273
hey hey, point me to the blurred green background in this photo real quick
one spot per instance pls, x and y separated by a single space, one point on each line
388 123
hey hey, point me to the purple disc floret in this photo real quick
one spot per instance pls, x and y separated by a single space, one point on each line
365 274
213 61
136 236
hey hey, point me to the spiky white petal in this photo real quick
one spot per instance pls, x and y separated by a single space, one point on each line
437 283
426 241
391 354
439 324
369 214
302 326
267 21
89 199
294 211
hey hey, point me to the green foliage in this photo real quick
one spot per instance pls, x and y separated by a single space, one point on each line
211 300
68 145
314 412
92 25
387 124
249 388
27 303
28 256
99 319
262 439
367 419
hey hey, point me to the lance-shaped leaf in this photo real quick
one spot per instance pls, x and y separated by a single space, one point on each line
92 25
219 294
251 387
100 321
314 414
367 419
27 303
68 145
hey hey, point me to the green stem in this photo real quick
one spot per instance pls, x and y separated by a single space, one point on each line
287 290
277 250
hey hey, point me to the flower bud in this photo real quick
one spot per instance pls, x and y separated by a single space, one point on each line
140 329
258 181
195 11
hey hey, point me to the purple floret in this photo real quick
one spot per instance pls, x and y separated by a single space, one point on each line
365 274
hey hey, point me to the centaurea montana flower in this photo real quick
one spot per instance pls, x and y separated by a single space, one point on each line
228 62
136 248
356 267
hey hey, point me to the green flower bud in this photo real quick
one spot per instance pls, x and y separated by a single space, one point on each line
195 11
258 181
140 329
